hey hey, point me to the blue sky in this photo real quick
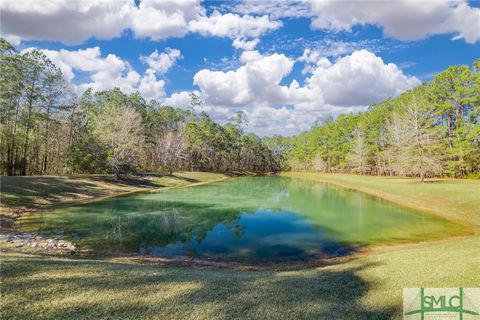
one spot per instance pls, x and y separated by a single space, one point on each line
310 60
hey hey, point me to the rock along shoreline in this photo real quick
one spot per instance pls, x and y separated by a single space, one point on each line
37 241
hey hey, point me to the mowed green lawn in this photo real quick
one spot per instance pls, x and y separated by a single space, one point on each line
35 285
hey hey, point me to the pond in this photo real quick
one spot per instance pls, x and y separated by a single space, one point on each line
248 219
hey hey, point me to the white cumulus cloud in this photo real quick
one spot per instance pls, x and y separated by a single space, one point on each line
349 84
180 99
161 62
359 79
161 19
233 25
245 44
401 19
73 22
105 73
70 22
150 87
258 79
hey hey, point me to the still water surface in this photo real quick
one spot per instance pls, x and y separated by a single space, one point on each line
249 219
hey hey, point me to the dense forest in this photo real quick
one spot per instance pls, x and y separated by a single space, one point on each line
432 130
46 128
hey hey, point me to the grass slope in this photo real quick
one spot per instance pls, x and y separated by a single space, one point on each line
454 198
20 195
36 285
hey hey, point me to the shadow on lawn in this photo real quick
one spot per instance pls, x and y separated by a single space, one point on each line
180 293
20 191
191 180
26 194
168 175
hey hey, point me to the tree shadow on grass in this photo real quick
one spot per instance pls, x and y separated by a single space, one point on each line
168 175
191 180
25 194
62 292
22 191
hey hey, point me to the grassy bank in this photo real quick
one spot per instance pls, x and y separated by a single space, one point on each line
453 198
20 195
35 285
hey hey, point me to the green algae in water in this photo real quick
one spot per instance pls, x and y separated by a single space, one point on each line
250 219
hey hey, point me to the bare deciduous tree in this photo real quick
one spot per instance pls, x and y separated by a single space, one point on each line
170 151
415 140
358 155
120 130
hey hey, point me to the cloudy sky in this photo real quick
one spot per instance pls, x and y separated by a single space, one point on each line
287 64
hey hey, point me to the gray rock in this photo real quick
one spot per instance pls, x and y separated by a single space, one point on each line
37 241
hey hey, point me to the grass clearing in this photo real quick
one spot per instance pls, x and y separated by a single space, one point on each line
35 285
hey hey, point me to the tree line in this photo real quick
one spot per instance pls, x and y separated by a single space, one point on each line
430 131
47 129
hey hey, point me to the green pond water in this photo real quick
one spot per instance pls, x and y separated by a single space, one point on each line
248 219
